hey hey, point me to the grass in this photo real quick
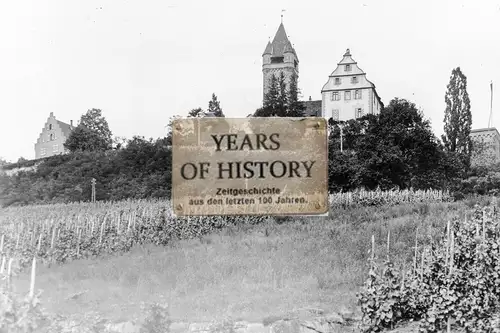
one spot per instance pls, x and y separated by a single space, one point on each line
245 272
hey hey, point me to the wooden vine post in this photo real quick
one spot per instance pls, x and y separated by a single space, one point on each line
92 182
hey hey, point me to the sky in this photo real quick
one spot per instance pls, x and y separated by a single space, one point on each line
142 62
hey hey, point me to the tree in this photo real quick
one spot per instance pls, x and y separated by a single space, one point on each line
280 101
458 118
214 106
119 142
295 108
196 113
91 134
396 148
168 137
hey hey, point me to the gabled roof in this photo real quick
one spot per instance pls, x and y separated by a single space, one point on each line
313 108
65 128
280 44
347 60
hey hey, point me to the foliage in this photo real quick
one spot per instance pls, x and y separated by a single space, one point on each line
18 314
395 149
295 107
91 134
281 99
196 113
454 282
214 106
142 169
458 117
157 320
64 232
365 198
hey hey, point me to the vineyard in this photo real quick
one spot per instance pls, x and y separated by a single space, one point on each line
63 232
449 278
453 282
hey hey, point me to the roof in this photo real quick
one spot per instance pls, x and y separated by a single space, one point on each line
483 130
280 44
65 128
313 108
347 60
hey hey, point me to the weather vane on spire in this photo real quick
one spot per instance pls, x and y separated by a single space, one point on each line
282 11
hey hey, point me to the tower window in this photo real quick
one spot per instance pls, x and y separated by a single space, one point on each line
277 60
347 68
335 96
357 94
51 136
347 95
337 80
50 127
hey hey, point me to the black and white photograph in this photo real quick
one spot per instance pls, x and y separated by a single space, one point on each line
190 166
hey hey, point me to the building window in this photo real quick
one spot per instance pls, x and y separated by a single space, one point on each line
55 148
347 95
51 136
357 94
42 151
337 81
354 79
347 68
359 112
335 114
335 96
50 127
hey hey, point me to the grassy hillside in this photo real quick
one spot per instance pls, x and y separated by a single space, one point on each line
243 271
141 170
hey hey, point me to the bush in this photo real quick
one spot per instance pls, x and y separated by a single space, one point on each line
455 280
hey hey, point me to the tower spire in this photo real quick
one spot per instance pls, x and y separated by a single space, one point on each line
283 10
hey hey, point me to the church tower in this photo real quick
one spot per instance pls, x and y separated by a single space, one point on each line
279 56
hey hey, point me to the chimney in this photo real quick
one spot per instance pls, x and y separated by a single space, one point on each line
310 98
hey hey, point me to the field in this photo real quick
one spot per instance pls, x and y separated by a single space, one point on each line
104 261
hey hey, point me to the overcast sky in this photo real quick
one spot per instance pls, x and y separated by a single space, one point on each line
141 62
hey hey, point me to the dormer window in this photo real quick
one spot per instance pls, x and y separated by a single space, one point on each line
354 80
337 81
347 68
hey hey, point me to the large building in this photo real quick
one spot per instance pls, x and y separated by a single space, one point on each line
52 138
486 146
348 94
279 57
